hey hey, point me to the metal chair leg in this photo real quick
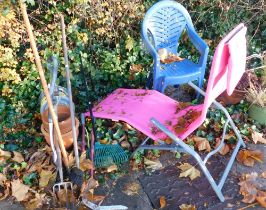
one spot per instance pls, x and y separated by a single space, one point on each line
217 188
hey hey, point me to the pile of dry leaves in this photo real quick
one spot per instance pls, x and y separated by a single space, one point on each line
29 179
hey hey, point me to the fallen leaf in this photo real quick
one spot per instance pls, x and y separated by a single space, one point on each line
5 194
19 190
229 205
112 168
36 161
135 68
36 202
217 126
263 175
65 196
225 149
166 57
257 137
71 159
261 198
202 143
18 157
45 177
153 165
85 164
5 154
2 179
88 186
93 198
248 157
189 170
187 207
131 188
168 141
248 187
162 202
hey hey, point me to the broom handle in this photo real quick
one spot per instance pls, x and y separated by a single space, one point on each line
43 81
72 113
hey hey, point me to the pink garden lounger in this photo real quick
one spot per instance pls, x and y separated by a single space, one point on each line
160 117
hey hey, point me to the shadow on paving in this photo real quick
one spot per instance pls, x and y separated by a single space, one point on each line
198 192
178 191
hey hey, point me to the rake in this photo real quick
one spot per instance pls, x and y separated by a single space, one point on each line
103 155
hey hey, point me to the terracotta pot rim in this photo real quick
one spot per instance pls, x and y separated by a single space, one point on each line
65 109
63 134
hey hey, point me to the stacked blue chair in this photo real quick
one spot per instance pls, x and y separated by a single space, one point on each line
162 27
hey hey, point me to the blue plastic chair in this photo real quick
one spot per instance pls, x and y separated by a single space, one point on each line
162 27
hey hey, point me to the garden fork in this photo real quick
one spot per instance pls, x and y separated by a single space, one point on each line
62 191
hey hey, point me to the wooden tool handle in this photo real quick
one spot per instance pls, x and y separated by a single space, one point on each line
42 77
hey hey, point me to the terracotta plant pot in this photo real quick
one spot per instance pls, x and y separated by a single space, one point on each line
258 113
67 137
235 98
64 119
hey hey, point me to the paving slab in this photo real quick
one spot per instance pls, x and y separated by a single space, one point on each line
118 193
178 191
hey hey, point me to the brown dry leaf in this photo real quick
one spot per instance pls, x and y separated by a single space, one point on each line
135 68
168 141
225 149
45 177
112 168
36 202
189 170
153 165
71 159
257 137
248 157
261 198
168 57
36 161
88 186
172 58
18 157
6 192
217 126
5 154
248 187
131 188
263 175
2 179
162 202
85 164
187 207
202 143
64 196
93 198
19 190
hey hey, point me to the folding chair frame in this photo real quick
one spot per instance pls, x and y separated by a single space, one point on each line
183 147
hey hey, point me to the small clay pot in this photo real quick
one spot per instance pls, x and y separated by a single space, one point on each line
64 119
67 137
235 98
